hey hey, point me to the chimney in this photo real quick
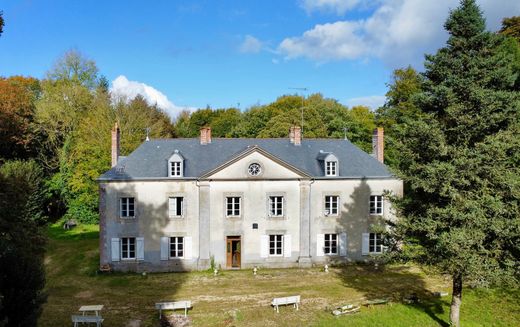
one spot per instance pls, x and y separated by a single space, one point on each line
205 135
295 135
378 144
115 144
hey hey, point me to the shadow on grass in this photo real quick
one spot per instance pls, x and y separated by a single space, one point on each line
80 232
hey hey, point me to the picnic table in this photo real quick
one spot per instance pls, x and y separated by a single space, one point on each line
95 309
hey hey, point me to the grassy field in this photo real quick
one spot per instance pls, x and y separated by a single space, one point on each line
237 298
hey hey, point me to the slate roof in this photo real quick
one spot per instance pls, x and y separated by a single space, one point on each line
150 159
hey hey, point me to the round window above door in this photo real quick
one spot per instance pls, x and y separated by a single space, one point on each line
254 169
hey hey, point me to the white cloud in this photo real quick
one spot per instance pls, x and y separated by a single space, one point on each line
250 45
340 7
371 101
123 88
398 32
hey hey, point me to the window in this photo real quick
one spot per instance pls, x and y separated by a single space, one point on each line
276 206
275 245
128 248
331 205
254 169
175 206
233 206
331 168
127 208
331 244
176 247
375 243
176 168
376 204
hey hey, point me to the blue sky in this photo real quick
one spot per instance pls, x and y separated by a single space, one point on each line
224 53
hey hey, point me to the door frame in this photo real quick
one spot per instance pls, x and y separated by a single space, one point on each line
229 254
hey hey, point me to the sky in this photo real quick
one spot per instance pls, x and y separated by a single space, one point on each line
193 54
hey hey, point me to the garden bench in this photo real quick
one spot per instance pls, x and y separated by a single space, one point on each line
294 300
76 319
173 306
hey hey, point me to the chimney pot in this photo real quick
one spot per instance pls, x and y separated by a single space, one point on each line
295 135
116 135
378 144
205 135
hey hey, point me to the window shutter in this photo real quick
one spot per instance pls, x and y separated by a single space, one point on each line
264 246
188 248
320 244
171 207
343 244
115 249
364 244
140 248
287 246
165 248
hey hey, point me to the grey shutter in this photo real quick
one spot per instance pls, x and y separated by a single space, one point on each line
320 244
188 248
165 248
140 248
264 246
287 246
364 243
343 244
115 249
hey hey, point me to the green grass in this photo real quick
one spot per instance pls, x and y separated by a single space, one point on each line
237 298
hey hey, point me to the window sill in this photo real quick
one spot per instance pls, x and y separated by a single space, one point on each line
176 217
234 217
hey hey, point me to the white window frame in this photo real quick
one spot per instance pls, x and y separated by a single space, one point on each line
126 242
330 239
375 243
278 245
175 241
331 168
376 205
124 207
276 203
175 209
233 201
329 205
175 168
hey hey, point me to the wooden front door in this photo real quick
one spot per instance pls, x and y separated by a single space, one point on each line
233 251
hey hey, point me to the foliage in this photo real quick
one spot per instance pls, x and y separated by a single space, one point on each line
18 138
22 246
511 27
1 22
460 159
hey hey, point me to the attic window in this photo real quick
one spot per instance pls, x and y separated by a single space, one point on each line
331 168
176 165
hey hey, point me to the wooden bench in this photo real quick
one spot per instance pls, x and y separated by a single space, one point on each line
294 300
173 306
87 320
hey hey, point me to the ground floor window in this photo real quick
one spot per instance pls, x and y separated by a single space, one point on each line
176 247
375 243
275 245
331 244
128 248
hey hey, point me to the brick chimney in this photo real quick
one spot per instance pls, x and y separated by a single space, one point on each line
205 135
378 144
295 135
115 144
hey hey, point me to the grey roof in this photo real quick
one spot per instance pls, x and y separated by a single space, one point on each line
150 159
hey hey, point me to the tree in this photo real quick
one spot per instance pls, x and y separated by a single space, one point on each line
1 22
22 245
511 27
460 161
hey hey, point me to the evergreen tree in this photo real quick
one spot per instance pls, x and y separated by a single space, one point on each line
460 160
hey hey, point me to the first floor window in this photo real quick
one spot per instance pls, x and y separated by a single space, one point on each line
375 243
175 206
128 248
376 204
276 206
233 206
331 205
176 168
275 245
127 207
331 244
176 247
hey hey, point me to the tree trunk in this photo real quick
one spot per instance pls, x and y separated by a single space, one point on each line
456 300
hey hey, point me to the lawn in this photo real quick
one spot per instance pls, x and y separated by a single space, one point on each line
238 298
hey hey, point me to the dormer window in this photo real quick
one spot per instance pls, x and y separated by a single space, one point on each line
176 165
331 168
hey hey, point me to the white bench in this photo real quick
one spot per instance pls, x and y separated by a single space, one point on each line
173 306
87 320
294 300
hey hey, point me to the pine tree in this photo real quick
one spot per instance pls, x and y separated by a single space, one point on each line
460 160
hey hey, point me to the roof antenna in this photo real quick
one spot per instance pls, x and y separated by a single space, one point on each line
345 132
148 129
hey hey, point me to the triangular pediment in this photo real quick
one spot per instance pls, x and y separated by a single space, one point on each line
255 163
